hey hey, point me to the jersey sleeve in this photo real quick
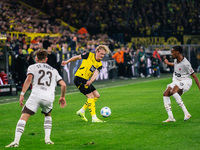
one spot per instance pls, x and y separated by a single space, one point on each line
189 68
58 77
30 70
85 55
99 68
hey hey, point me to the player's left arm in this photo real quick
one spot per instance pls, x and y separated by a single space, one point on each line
25 87
62 101
196 80
94 76
74 58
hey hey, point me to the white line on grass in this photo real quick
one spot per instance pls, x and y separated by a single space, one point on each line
103 87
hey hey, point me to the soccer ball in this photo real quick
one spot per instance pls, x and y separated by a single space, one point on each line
105 112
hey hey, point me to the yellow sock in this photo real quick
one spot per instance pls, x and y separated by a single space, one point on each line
85 106
91 106
95 99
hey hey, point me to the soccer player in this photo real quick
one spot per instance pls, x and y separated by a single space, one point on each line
85 75
181 83
44 79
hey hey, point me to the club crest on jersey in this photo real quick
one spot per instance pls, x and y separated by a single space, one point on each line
181 84
92 69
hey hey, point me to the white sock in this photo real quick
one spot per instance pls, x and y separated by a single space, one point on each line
82 110
47 127
167 104
180 103
19 130
94 117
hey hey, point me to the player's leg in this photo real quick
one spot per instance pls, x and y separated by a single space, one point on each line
92 98
81 112
47 128
96 95
167 104
47 107
80 82
177 97
26 113
29 109
85 106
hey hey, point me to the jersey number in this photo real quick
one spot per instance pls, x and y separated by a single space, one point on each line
42 72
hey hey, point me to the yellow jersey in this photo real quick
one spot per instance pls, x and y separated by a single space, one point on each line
88 66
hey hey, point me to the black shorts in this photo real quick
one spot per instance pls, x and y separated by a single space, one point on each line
80 84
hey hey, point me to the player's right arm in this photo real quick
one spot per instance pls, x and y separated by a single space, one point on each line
168 63
62 101
25 87
196 80
94 76
71 59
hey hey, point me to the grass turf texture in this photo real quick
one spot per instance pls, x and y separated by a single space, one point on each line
135 123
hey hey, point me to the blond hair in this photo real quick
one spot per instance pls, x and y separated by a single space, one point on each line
104 47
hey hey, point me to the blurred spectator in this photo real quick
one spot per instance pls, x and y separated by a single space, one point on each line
3 78
127 64
118 56
155 53
156 66
52 60
24 50
111 45
31 49
194 61
73 45
30 59
20 67
142 63
82 30
46 42
64 48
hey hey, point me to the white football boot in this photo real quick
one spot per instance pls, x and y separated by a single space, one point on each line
13 144
170 120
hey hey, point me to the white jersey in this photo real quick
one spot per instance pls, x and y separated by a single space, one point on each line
182 70
45 80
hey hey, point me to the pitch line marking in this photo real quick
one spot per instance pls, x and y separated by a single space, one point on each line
103 87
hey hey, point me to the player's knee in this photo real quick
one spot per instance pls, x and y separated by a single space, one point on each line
47 114
97 96
173 92
166 93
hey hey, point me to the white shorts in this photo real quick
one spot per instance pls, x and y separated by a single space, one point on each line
184 85
33 103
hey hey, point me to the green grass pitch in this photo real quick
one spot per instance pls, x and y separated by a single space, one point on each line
135 123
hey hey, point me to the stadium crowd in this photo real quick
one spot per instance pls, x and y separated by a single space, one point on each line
122 19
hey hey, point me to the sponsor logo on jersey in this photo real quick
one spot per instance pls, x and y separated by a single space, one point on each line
92 69
177 74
